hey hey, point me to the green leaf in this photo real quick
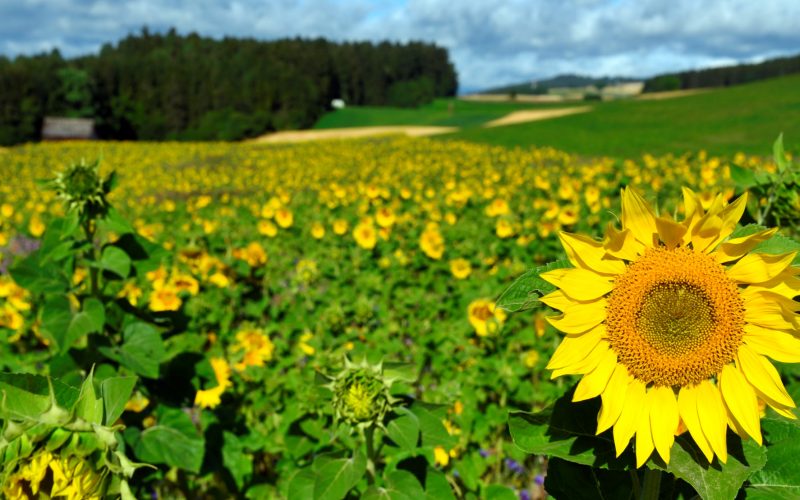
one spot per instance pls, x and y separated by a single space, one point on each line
238 463
28 396
142 350
404 372
581 482
716 481
400 485
91 320
526 290
115 259
116 392
567 431
89 407
301 486
744 178
780 477
29 273
113 221
778 154
433 431
404 430
173 441
339 476
56 317
500 492
437 487
779 244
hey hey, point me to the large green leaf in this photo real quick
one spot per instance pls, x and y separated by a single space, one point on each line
780 477
28 396
115 259
399 485
437 487
567 430
715 481
89 407
580 482
173 441
116 392
56 316
90 320
142 350
526 290
338 476
433 431
404 430
236 460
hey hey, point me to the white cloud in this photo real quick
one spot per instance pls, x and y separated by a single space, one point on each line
491 42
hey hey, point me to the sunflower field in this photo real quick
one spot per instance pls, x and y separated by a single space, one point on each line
396 318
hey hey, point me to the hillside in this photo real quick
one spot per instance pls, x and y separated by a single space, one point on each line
744 118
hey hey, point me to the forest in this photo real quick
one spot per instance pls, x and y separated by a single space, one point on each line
169 86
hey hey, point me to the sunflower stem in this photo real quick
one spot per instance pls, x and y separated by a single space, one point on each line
370 444
652 484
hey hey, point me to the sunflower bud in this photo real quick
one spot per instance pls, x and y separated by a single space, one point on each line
82 189
361 394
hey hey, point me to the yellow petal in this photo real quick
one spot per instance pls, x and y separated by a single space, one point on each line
663 419
759 267
693 208
670 232
586 365
644 434
713 418
761 310
580 318
559 300
613 399
763 376
629 417
579 284
740 399
622 244
595 382
730 216
706 232
780 346
589 254
738 247
755 296
638 217
575 349
687 407
785 284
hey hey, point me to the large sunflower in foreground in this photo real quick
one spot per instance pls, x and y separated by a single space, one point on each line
671 324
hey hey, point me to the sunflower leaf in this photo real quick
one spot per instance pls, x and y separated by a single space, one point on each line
526 290
780 477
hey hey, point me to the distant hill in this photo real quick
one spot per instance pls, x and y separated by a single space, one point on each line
724 76
536 87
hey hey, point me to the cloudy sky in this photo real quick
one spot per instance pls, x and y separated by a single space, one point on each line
490 42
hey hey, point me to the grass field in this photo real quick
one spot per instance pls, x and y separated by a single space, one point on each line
441 112
745 118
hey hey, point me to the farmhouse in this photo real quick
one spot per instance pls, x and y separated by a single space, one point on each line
59 129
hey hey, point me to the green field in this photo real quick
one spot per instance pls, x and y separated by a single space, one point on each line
440 113
745 118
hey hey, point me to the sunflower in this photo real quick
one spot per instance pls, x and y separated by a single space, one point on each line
672 324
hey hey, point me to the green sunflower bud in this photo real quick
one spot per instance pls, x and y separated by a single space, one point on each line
82 189
361 394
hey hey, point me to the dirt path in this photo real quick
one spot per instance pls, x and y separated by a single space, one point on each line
350 133
535 115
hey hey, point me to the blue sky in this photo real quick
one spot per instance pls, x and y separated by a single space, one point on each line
490 42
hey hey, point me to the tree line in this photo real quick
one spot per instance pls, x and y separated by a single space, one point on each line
724 76
168 86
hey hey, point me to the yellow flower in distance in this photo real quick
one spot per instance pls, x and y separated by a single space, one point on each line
254 254
267 228
257 348
365 235
340 226
164 297
284 218
671 324
385 217
461 268
211 398
317 231
484 317
432 242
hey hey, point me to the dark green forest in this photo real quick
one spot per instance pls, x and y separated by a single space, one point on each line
174 87
724 76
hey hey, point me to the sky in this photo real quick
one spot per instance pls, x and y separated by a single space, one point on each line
491 43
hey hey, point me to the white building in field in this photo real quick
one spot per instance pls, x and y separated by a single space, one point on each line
338 104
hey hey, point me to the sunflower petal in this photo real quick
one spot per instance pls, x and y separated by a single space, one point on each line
687 407
763 376
738 247
613 399
740 399
579 284
589 254
638 217
629 417
762 311
622 244
574 350
730 216
670 232
759 267
780 346
579 318
644 433
706 232
559 300
713 417
664 419
595 382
